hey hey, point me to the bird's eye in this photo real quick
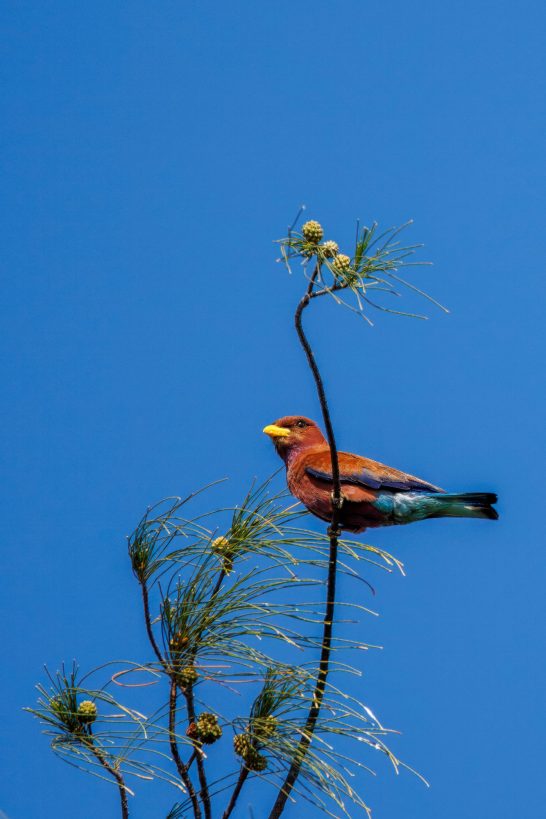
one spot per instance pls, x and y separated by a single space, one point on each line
301 424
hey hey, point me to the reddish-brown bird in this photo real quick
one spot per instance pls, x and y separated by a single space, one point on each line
373 494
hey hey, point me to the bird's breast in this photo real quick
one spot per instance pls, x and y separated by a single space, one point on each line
317 498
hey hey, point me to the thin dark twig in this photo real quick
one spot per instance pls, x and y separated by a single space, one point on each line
188 694
236 791
182 769
89 742
334 532
190 705
148 621
191 760
218 585
204 791
333 289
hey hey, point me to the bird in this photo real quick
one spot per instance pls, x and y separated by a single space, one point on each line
373 494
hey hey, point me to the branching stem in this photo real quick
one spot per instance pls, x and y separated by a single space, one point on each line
190 705
182 769
333 532
188 694
204 791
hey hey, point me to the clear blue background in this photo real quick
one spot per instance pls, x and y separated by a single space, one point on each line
151 153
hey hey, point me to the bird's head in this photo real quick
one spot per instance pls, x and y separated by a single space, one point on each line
294 432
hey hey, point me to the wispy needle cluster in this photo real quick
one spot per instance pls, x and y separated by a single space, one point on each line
355 277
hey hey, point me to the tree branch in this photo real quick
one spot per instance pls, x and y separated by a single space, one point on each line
188 694
99 755
333 531
204 791
182 769
236 791
148 621
190 705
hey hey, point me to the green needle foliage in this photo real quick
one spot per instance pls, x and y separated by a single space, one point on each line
233 607
372 268
93 731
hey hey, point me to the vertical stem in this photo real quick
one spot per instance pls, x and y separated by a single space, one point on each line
218 585
190 705
333 531
182 769
99 755
320 388
204 792
236 791
148 621
188 694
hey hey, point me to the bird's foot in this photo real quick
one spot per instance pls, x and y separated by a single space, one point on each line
337 503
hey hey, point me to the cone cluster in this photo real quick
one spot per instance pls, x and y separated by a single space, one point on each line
313 232
207 728
253 759
187 676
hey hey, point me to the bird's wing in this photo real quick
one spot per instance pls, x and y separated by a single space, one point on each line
364 472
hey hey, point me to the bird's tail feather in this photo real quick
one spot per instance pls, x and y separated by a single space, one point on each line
466 505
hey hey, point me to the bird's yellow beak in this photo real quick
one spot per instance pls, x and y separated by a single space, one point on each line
276 432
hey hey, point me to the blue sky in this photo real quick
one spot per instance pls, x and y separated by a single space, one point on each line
151 153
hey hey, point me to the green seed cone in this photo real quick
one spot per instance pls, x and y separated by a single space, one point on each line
223 548
255 761
244 748
312 231
241 744
187 676
87 712
330 249
341 263
207 729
